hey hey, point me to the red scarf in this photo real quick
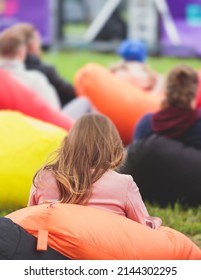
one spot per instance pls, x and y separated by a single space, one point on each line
173 122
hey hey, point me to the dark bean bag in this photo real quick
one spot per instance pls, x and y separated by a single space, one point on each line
165 170
17 244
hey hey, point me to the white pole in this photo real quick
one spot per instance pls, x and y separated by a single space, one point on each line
168 22
101 19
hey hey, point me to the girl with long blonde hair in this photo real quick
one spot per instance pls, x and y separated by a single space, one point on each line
83 172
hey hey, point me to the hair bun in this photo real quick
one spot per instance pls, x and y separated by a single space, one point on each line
182 76
182 84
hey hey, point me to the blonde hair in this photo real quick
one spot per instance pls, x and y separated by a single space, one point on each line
11 42
181 87
92 147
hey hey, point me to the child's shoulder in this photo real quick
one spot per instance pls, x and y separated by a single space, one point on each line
119 177
45 177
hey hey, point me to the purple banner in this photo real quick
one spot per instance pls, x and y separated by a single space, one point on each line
186 15
36 12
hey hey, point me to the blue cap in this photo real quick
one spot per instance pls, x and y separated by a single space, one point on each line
132 50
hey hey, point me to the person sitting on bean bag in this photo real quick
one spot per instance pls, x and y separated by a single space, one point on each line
13 52
12 60
83 172
178 118
33 61
134 69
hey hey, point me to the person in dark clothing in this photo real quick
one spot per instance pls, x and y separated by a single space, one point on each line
18 244
178 118
65 90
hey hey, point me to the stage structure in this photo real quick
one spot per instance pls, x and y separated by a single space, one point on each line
40 13
186 17
168 27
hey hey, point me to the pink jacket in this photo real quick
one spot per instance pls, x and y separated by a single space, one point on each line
113 192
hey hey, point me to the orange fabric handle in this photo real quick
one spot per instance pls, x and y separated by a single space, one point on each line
42 240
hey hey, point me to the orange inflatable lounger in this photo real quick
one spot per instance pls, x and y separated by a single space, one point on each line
73 231
116 98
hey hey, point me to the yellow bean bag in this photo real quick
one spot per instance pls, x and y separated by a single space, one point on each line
25 145
124 103
82 232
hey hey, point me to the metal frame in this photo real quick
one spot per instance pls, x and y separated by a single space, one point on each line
99 22
108 8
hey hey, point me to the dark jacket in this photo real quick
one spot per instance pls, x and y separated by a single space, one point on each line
17 244
64 89
192 137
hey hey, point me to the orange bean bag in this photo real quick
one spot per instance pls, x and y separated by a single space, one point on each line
116 98
81 232
16 97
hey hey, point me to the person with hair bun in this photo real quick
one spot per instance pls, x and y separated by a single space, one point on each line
83 172
178 118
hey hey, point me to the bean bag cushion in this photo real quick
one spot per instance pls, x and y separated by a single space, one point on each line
165 170
25 145
117 99
17 244
82 232
16 97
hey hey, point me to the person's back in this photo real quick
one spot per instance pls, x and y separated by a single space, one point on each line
134 68
82 173
33 61
178 118
13 53
136 73
111 192
192 137
65 90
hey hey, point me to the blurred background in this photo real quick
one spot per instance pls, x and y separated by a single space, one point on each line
169 28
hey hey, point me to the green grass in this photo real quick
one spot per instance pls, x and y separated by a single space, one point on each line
68 63
183 219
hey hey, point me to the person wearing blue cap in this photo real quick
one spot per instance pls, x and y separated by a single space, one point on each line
133 67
